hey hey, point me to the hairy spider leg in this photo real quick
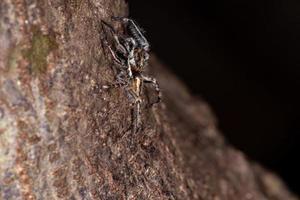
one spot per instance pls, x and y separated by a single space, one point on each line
104 44
104 40
154 82
136 91
136 111
111 29
135 30
106 27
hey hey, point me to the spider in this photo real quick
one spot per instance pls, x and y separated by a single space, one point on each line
130 52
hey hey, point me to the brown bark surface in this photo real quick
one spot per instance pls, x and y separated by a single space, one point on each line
63 136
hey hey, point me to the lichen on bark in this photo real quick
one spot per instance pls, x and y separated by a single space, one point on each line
41 46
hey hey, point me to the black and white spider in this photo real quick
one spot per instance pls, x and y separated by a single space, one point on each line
130 51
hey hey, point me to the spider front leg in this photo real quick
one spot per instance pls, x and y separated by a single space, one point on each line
154 82
135 31
106 27
119 49
120 19
119 73
116 59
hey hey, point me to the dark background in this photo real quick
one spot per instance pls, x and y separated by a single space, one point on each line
243 58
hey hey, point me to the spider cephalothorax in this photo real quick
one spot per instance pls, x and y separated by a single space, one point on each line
129 49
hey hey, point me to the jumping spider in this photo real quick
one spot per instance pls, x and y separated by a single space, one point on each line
130 52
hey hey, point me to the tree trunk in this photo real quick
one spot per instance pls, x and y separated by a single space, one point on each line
63 135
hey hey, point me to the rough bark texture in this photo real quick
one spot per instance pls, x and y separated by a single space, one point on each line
62 136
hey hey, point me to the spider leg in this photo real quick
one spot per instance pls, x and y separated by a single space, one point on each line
122 19
136 112
136 31
106 27
154 82
138 115
116 59
129 70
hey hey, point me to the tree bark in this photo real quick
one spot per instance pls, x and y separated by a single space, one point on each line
65 136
